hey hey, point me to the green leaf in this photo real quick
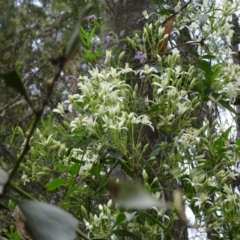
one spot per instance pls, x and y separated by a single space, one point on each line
125 233
227 106
83 37
91 34
194 53
13 80
89 55
152 219
208 56
96 169
74 169
117 155
119 219
187 186
126 169
75 40
204 66
220 144
158 1
224 103
155 151
216 70
55 183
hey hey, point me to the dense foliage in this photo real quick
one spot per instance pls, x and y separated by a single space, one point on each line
152 124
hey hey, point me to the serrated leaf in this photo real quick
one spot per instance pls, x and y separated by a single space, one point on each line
47 222
75 39
3 180
13 80
55 183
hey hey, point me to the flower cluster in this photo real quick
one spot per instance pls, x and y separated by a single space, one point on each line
111 38
140 56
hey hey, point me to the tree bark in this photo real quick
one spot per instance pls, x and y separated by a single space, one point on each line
124 17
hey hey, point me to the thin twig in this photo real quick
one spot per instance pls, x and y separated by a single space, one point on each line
60 63
21 191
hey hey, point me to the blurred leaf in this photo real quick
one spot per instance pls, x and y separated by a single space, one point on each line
11 204
3 180
202 19
117 155
47 222
13 80
132 196
129 216
55 183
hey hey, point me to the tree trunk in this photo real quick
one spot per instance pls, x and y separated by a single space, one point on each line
124 17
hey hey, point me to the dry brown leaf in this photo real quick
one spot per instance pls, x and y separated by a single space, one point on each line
21 225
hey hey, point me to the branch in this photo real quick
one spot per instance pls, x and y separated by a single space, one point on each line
60 63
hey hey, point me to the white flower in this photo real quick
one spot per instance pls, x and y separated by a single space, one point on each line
166 120
144 119
175 52
181 108
76 123
95 73
86 88
59 109
90 123
127 69
108 57
25 178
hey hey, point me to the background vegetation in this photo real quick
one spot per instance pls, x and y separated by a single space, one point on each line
123 115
